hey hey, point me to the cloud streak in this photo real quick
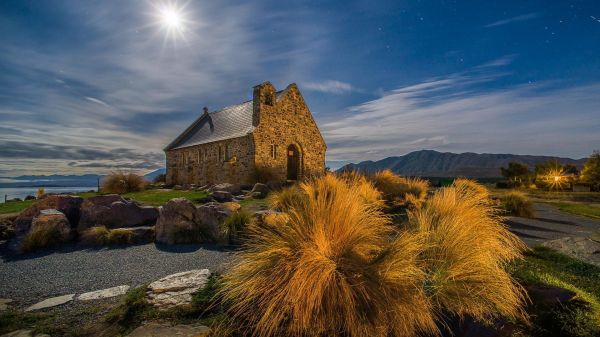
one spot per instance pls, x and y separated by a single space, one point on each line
518 18
329 87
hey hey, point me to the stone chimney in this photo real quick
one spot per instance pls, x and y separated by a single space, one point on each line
205 109
263 95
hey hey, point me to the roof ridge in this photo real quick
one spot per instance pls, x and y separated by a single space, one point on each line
229 107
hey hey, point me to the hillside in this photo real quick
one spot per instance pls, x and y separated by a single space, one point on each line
431 163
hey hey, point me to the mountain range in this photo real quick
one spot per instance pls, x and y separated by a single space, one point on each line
429 163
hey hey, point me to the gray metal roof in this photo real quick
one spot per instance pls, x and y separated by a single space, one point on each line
230 122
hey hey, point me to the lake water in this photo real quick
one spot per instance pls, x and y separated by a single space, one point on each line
22 192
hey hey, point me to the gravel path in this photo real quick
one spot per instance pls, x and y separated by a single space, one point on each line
73 269
550 223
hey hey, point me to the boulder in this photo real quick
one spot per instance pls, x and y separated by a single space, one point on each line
212 215
30 197
7 229
222 196
177 222
24 333
113 211
260 191
583 248
52 218
69 205
176 289
234 189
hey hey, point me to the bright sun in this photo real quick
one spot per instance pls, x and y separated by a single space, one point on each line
171 19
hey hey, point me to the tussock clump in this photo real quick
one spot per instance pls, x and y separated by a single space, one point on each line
121 182
283 199
328 268
466 249
45 236
516 203
400 191
472 188
235 225
95 236
120 236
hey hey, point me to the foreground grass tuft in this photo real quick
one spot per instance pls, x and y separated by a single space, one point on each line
400 191
49 235
95 236
235 224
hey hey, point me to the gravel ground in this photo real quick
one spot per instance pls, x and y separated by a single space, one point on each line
73 269
550 224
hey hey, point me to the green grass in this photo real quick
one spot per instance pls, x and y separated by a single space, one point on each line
160 197
15 206
585 209
579 318
252 205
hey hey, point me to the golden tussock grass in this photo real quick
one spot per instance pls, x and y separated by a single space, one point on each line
516 203
121 182
327 268
51 234
95 236
466 249
400 191
333 265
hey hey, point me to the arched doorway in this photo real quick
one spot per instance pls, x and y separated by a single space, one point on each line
293 162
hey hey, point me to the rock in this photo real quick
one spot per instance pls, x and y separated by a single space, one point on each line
227 187
176 289
4 302
142 234
177 221
104 293
7 229
212 215
260 191
582 248
177 187
222 196
51 302
30 197
69 205
52 218
156 329
113 211
24 333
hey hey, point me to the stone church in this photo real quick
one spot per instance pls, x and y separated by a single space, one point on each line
273 134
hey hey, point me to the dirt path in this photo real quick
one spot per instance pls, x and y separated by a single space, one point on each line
550 224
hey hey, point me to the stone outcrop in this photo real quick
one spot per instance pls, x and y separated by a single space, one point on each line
586 249
222 196
113 211
178 222
156 329
234 189
69 205
7 229
259 191
212 215
176 289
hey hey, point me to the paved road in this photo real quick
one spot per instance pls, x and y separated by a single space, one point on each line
550 224
73 269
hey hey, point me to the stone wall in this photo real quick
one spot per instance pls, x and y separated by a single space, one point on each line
210 164
281 122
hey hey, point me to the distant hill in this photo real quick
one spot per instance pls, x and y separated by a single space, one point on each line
54 180
429 163
150 176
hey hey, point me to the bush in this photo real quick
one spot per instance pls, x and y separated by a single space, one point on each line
400 191
120 183
516 203
41 192
465 255
44 236
235 224
120 236
262 174
335 265
95 236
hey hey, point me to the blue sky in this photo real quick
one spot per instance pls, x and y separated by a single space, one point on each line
91 86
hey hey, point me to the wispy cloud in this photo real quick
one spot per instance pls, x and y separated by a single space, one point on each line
97 101
445 113
517 18
329 86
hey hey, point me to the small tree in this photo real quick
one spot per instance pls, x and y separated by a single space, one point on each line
516 172
591 170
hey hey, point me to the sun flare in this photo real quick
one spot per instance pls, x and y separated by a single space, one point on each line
172 20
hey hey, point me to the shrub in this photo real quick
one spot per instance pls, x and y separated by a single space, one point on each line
95 236
235 224
262 174
516 203
465 255
121 182
120 236
400 191
328 268
41 192
48 235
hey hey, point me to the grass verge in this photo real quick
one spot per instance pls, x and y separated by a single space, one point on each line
584 209
160 197
15 206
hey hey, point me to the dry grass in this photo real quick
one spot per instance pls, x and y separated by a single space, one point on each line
95 236
328 268
516 203
120 236
471 187
235 225
400 191
45 236
121 182
466 249
283 199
